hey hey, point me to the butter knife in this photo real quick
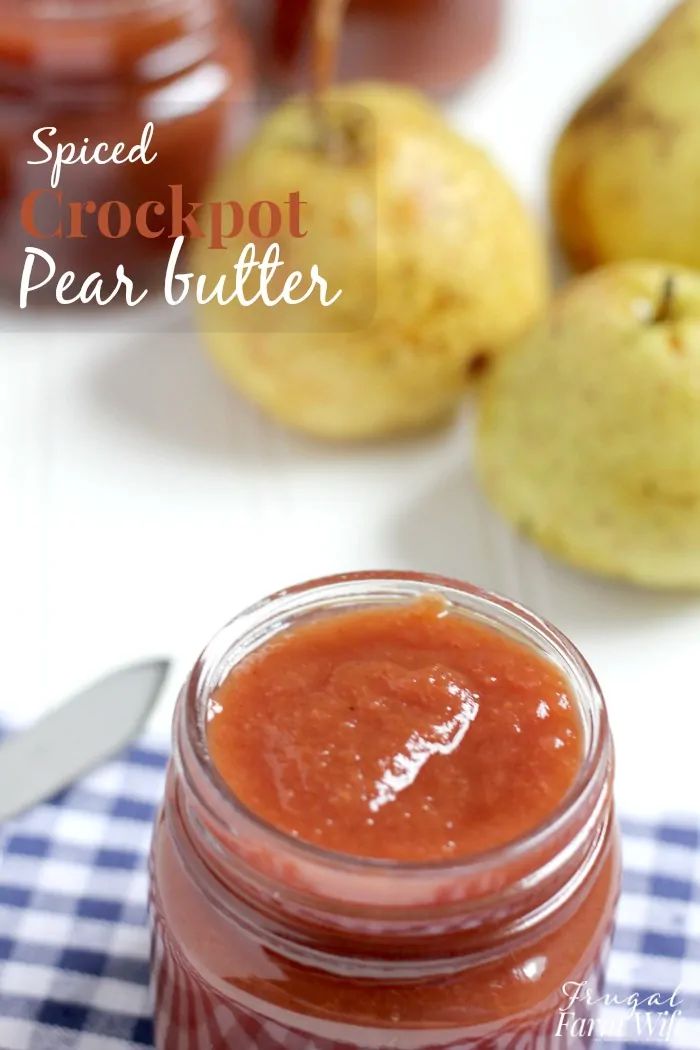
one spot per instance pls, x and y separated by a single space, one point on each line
76 736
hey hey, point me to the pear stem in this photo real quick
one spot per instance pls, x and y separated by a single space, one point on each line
664 307
327 28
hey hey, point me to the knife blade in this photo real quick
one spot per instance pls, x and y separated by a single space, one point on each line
76 736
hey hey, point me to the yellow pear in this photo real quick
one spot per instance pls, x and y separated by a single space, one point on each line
626 170
438 262
589 428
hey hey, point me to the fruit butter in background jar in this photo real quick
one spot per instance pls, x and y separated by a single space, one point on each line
436 45
101 69
261 939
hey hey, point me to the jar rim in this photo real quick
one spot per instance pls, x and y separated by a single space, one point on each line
377 587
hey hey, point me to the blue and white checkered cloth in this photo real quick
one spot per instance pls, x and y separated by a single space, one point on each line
74 946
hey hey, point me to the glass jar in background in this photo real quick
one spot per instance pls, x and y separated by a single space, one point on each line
261 939
100 70
436 45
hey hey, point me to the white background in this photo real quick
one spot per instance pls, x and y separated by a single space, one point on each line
142 503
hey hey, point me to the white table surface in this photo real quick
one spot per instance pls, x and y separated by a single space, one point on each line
142 503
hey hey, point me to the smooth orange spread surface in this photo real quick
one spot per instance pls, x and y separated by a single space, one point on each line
407 732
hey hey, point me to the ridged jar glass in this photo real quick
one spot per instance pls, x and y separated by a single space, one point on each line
96 71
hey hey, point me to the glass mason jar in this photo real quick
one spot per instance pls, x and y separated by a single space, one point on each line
260 939
435 45
99 70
